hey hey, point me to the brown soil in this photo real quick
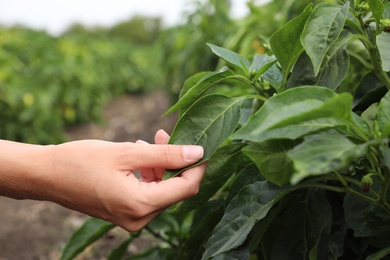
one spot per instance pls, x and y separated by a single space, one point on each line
39 230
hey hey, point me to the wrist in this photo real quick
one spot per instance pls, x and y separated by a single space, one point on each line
25 169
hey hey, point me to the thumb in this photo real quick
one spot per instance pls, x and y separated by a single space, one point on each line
165 156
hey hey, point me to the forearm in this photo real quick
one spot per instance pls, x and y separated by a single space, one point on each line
23 168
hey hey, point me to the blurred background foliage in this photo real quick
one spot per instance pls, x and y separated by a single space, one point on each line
48 83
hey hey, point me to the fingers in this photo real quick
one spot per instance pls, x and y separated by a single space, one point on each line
161 137
163 156
176 189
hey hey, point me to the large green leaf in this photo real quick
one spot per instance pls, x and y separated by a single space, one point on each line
286 44
233 59
249 206
209 122
383 40
296 112
89 232
323 153
296 232
383 116
321 30
271 159
220 168
205 82
248 175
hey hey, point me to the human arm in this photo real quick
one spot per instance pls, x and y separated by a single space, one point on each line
95 177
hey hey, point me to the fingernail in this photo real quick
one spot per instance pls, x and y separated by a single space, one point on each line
192 153
141 142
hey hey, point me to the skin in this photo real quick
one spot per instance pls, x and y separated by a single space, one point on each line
96 177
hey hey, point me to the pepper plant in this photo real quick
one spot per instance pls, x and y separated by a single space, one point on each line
297 144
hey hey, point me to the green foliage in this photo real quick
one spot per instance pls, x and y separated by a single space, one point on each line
297 143
49 83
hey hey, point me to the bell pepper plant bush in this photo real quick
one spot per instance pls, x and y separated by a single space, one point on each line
297 144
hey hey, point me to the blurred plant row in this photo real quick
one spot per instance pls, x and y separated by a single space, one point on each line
48 83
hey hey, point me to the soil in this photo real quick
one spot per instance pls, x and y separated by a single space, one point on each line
39 230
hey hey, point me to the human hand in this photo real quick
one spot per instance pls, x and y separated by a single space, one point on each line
96 178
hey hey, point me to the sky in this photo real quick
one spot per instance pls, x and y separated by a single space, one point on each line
55 16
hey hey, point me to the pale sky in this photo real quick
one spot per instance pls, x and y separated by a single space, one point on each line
55 15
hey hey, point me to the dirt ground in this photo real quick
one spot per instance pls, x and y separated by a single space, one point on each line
32 230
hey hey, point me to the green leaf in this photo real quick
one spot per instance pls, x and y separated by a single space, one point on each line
386 12
383 40
206 217
378 221
271 159
233 59
89 232
355 211
380 254
274 76
120 251
248 175
323 153
331 76
204 83
249 206
295 233
209 122
221 166
321 30
193 80
296 112
285 42
261 63
383 116
334 67
377 8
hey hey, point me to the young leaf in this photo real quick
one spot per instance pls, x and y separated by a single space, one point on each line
274 76
192 81
261 64
285 42
296 112
383 116
377 9
209 122
323 153
89 232
383 40
233 59
249 206
220 168
271 159
321 30
199 88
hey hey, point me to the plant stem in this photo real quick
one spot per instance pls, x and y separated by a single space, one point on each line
374 55
353 192
157 235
